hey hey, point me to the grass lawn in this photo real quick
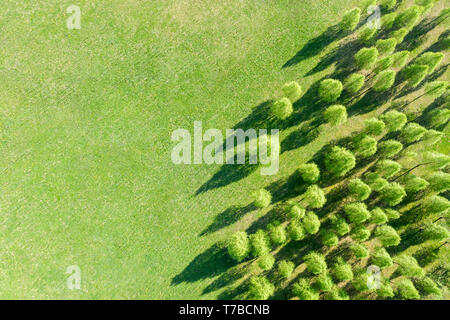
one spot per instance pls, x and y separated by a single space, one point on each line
86 118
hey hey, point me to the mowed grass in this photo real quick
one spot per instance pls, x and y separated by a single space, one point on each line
85 123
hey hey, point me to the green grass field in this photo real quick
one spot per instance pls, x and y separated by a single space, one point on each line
86 118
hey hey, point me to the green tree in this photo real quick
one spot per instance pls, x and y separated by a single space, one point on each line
388 4
351 19
304 291
311 223
408 266
409 17
356 212
239 246
295 231
335 114
364 146
383 64
414 184
315 197
366 33
354 83
438 117
329 238
388 168
435 205
285 268
339 161
282 108
295 211
386 46
330 90
430 59
394 120
392 214
359 190
400 59
336 293
360 233
260 243
439 181
366 58
374 126
435 232
309 173
375 181
266 261
414 74
432 137
359 250
293 91
387 236
427 286
277 233
399 35
315 263
392 194
263 198
436 160
406 290
360 281
389 148
378 216
342 271
260 288
385 290
340 226
387 20
384 80
412 132
323 282
381 258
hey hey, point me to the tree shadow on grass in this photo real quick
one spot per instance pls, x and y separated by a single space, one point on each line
208 264
228 217
225 279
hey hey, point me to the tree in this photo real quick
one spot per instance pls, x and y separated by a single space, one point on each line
296 211
438 117
304 291
354 82
309 172
412 132
374 126
383 64
366 33
435 232
392 194
388 168
386 46
400 59
266 262
359 250
436 88
329 238
375 181
340 226
315 263
394 120
293 91
339 161
366 58
388 4
414 74
260 243
336 293
430 59
427 286
263 198
387 236
260 288
335 115
406 290
330 90
377 216
277 233
408 266
435 205
285 268
356 212
384 80
342 271
296 231
239 246
360 233
360 281
381 258
311 223
387 20
315 197
359 190
385 290
323 282
351 19
389 148
392 214
432 137
414 184
365 146
409 17
399 35
282 108
439 181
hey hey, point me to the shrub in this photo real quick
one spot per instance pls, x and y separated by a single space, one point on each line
342 271
432 137
340 226
239 246
309 172
339 161
374 126
311 223
408 266
392 214
375 181
381 258
293 91
260 288
360 233
335 115
285 268
354 83
366 33
296 211
303 290
277 233
329 238
387 236
388 168
351 19
315 263
378 216
430 59
386 46
412 132
359 250
438 117
384 80
295 231
439 181
282 108
394 120
400 59
436 88
356 212
260 244
428 286
387 20
392 194
414 184
266 262
399 35
366 58
389 148
263 198
383 64
323 282
330 90
406 290
365 146
315 197
358 189
409 17
414 74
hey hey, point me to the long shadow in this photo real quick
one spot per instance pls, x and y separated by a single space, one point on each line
419 34
208 264
228 217
225 279
316 45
